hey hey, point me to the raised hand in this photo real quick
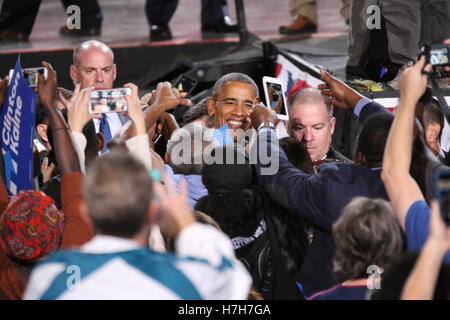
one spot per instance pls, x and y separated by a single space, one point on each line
174 213
338 93
134 109
167 98
439 232
47 87
413 82
262 114
77 109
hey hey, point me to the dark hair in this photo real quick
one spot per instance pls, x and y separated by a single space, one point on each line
394 279
297 154
367 233
41 114
373 136
427 96
230 210
196 112
118 191
432 113
236 77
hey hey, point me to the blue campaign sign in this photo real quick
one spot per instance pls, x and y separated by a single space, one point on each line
17 120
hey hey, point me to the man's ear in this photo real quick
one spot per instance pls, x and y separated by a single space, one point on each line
42 132
114 71
211 106
74 73
332 125
257 100
432 132
101 141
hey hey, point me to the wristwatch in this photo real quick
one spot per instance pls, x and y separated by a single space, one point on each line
266 125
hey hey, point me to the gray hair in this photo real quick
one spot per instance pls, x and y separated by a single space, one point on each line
118 190
309 96
233 76
367 233
188 146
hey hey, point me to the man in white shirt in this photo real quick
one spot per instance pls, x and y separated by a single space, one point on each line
116 263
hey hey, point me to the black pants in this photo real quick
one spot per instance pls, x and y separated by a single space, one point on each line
20 15
411 24
161 11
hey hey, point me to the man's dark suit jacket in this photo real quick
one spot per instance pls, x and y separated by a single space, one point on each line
317 198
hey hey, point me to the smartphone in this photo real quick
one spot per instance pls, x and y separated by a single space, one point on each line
31 75
111 100
39 146
443 194
185 84
275 98
438 55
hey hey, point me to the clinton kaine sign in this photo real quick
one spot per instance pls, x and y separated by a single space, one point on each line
17 120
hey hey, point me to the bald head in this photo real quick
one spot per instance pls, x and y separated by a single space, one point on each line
93 65
91 45
309 96
311 122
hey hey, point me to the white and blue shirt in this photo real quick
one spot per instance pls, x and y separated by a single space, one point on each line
115 268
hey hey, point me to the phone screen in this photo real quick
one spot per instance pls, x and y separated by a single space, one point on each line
444 195
185 84
113 100
439 56
275 96
31 76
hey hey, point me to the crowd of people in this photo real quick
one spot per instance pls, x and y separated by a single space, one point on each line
137 205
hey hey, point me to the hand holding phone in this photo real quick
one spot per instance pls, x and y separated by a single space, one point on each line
184 85
31 75
275 99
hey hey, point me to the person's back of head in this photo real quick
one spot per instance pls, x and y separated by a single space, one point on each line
433 118
186 148
230 200
372 139
118 191
366 234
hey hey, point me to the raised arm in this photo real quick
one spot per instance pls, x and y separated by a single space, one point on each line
341 95
421 282
65 153
402 189
76 230
164 98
